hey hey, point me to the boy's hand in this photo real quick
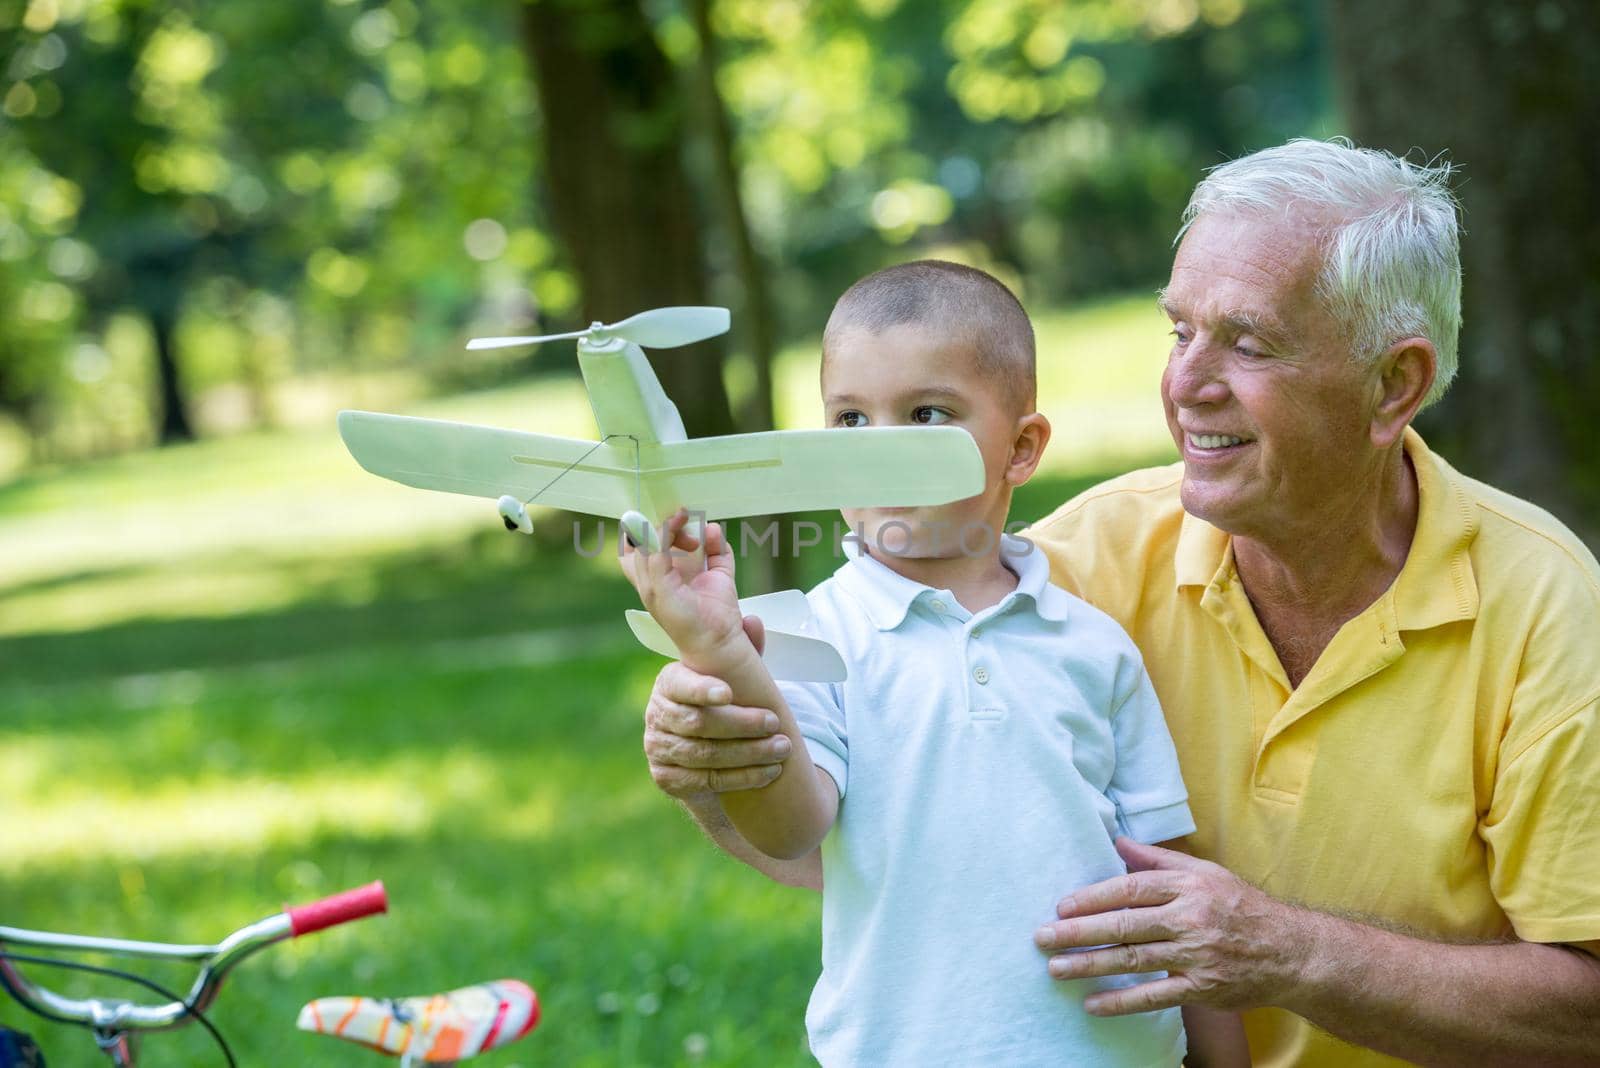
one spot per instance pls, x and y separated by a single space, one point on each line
696 603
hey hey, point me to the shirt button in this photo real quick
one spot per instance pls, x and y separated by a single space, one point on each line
981 675
936 605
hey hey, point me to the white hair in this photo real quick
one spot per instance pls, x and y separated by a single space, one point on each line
1392 261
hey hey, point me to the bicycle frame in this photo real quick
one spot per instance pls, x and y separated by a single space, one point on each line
116 1022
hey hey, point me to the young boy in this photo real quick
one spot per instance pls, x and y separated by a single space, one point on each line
994 734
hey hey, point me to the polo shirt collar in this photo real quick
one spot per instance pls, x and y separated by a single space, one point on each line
1032 569
1203 551
1436 584
887 596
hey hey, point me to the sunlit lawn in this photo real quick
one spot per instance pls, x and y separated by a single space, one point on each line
505 807
245 672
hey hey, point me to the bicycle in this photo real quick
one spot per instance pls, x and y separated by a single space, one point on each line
438 1029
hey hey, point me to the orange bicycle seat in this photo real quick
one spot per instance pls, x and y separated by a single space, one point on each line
432 1029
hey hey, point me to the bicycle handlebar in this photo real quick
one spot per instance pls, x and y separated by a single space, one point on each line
335 909
108 1016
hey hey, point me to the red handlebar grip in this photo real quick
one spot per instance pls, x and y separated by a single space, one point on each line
354 904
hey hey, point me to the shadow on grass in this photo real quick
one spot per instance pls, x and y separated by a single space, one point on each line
489 584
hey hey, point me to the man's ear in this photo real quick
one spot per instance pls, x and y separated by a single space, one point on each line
1405 374
1027 448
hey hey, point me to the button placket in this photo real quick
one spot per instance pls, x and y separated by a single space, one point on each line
981 702
980 673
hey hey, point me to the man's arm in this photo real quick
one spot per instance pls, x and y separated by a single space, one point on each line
1227 944
700 746
1514 1003
787 818
706 810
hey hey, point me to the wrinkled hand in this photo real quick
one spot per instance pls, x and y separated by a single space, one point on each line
1221 941
698 744
692 597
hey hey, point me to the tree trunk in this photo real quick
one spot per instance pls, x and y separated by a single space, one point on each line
172 414
158 260
758 327
613 131
756 320
1504 88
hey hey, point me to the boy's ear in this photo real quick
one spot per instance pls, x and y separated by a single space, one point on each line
1027 448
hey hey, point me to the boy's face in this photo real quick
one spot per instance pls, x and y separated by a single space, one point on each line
910 375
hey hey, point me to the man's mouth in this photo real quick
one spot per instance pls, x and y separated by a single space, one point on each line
1214 441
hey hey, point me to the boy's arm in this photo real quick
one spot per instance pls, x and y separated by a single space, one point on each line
1146 782
1216 1038
699 609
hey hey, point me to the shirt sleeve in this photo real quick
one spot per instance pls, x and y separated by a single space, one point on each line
1543 832
819 711
1146 785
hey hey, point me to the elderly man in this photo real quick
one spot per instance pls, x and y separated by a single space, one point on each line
1382 677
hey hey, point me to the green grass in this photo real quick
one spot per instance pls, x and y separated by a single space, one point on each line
243 672
506 808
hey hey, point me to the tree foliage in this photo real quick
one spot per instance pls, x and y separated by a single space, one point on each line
308 186
354 185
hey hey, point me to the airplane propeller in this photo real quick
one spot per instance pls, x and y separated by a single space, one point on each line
663 328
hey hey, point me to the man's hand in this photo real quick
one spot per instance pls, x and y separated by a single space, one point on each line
697 743
1222 942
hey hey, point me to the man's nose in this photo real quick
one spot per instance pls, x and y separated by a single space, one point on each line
1195 376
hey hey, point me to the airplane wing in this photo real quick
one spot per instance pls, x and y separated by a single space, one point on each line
781 610
483 461
791 656
801 470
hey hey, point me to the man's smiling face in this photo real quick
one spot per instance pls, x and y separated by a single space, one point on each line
1262 396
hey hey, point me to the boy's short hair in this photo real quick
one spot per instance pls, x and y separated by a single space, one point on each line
964 302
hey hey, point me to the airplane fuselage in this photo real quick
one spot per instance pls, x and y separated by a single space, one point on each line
625 394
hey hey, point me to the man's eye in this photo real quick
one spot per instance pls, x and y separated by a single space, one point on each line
929 415
1180 333
850 419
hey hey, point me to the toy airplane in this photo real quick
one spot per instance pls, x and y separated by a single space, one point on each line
645 464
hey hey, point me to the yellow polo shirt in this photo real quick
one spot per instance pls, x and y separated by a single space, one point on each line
1438 769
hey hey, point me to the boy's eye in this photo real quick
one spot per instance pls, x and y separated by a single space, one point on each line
850 419
928 415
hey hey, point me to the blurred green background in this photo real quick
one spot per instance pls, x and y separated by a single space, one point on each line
237 670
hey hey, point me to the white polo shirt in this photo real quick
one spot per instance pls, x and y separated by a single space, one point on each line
984 764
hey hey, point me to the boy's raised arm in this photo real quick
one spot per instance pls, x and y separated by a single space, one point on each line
698 607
